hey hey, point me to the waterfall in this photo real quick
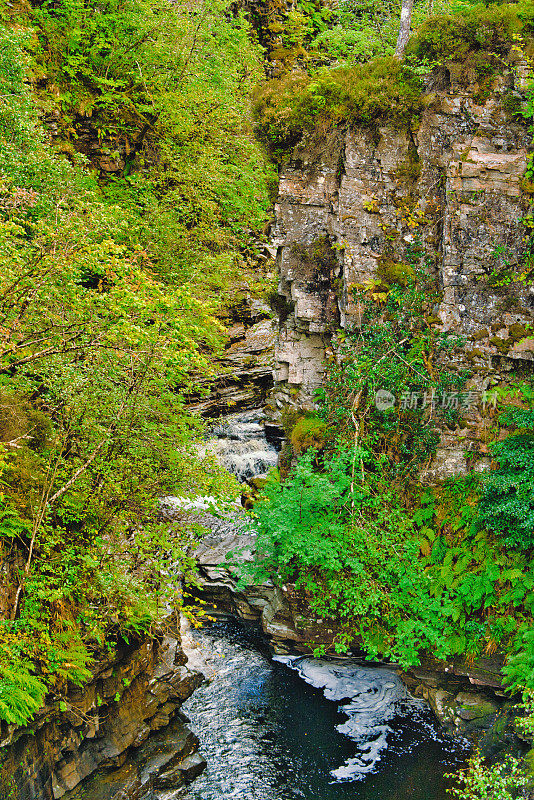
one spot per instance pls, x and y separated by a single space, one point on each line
240 444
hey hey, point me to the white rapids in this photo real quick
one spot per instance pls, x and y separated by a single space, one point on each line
240 445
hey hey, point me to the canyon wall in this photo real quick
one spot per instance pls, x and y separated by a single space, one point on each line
466 695
359 203
101 741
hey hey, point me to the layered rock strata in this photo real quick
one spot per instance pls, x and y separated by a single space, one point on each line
104 730
244 371
364 199
468 698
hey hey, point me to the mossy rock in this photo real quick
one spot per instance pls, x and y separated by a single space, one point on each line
289 417
394 272
510 303
408 172
308 432
258 483
502 345
474 706
483 333
516 332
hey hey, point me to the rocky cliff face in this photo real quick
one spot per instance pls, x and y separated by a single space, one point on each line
454 186
99 743
244 371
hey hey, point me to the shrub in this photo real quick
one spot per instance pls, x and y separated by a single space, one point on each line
365 94
507 503
498 782
449 37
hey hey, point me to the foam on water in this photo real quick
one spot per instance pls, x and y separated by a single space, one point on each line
272 731
373 695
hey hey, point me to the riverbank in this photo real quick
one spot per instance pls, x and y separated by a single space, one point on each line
105 733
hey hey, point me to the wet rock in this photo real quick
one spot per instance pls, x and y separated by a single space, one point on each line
473 706
108 724
191 767
440 702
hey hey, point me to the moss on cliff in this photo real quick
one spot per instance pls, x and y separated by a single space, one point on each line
473 44
360 95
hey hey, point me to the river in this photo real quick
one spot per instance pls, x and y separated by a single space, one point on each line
267 734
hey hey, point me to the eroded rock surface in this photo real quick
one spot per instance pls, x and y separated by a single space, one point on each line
244 371
349 206
99 739
466 697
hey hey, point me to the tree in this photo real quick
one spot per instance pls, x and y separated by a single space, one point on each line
404 28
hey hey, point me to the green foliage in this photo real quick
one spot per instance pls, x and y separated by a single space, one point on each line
108 296
164 91
348 32
519 669
358 95
507 503
394 351
473 28
498 782
399 583
21 692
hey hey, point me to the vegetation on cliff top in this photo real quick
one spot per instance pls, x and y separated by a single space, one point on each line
476 40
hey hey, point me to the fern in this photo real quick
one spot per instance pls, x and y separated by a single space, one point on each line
519 669
507 504
21 694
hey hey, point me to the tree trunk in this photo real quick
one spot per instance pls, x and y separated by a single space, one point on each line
404 29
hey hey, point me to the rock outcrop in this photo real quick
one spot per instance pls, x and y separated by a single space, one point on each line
244 371
100 738
454 187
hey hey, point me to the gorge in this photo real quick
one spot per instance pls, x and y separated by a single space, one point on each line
267 333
